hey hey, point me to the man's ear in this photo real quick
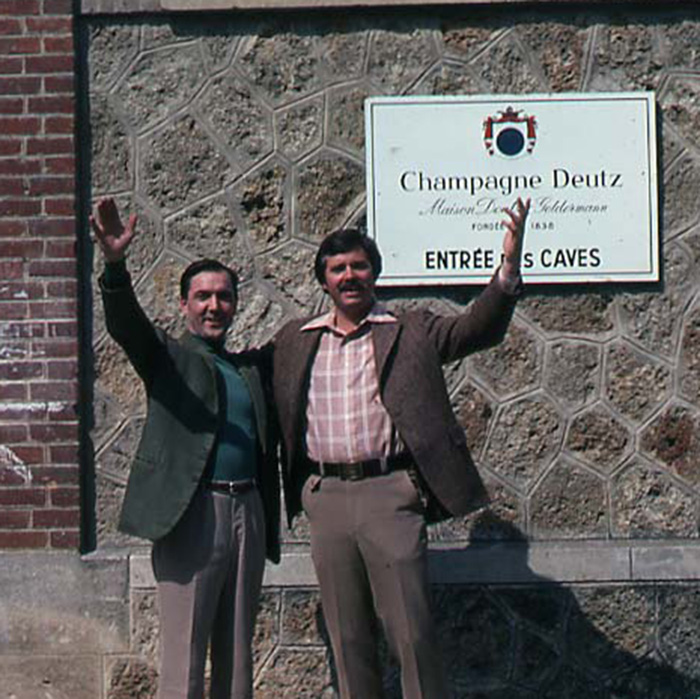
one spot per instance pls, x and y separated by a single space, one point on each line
183 306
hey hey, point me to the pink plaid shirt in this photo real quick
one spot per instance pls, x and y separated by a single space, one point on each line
346 420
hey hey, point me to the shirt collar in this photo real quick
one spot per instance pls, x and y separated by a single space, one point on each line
377 314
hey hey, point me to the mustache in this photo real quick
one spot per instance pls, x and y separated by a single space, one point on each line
351 286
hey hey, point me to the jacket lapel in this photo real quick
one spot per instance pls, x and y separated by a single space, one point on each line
296 368
252 378
384 336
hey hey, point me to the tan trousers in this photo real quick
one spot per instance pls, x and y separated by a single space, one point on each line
209 571
368 543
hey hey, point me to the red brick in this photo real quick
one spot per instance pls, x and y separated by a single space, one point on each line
23 329
58 44
11 65
20 7
49 64
55 348
49 25
22 290
28 247
11 269
12 476
20 371
60 249
24 540
64 206
65 164
13 434
20 86
59 125
13 391
63 412
47 186
53 309
57 7
16 412
20 44
13 310
10 146
50 146
55 104
54 390
59 84
65 539
20 207
10 26
63 370
52 268
52 227
63 329
63 432
20 167
64 454
17 349
55 475
20 126
64 289
12 186
22 496
14 519
12 228
65 497
11 105
56 518
29 454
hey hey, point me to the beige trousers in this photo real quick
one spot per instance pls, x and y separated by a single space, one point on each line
209 571
368 543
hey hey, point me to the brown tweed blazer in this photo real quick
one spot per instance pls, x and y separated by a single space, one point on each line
409 357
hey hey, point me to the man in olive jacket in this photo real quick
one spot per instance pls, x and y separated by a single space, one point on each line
204 482
373 451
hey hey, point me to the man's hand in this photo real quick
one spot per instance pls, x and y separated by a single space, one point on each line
110 233
513 240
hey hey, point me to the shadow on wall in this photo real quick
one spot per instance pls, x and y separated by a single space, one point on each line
544 640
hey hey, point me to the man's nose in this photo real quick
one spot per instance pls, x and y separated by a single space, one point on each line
214 302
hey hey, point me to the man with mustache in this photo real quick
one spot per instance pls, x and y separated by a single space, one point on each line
373 451
204 484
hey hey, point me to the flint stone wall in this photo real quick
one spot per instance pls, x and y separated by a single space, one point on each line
240 136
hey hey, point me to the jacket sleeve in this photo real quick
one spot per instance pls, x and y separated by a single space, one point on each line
128 324
483 324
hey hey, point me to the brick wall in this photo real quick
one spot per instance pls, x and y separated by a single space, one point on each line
39 430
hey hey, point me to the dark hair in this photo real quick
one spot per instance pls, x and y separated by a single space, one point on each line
200 266
346 240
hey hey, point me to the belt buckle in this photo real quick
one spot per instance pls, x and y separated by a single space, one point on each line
354 471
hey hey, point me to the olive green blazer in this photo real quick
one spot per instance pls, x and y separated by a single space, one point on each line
182 420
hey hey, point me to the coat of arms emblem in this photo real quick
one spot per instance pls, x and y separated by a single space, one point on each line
510 133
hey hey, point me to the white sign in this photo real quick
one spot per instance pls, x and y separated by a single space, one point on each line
441 169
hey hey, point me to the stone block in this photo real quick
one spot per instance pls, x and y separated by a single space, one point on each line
59 604
39 677
669 562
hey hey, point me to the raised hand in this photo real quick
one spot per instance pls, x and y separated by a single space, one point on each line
111 234
514 237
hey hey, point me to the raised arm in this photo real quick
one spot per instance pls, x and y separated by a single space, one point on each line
486 320
126 322
111 235
514 238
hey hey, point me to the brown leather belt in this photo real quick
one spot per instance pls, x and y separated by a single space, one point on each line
231 487
358 470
